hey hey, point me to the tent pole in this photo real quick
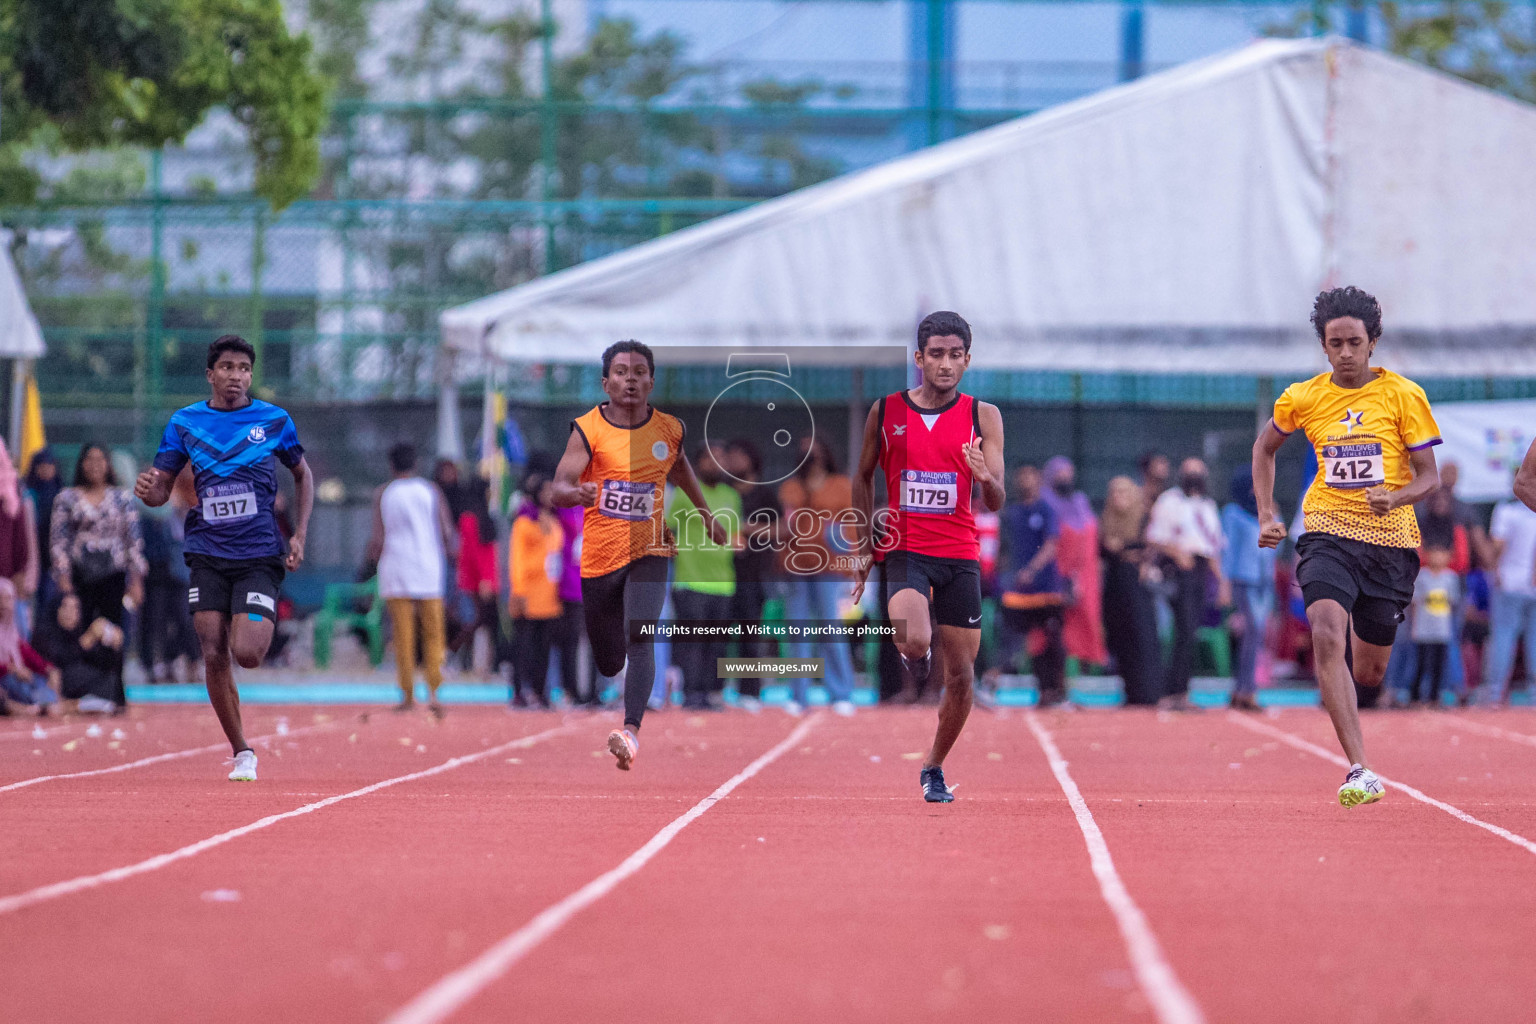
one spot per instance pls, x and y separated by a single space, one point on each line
450 436
19 370
1264 401
855 421
485 466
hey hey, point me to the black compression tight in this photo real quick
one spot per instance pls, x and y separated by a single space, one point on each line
612 602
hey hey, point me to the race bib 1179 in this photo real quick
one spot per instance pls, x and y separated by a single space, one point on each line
930 493
1353 466
627 499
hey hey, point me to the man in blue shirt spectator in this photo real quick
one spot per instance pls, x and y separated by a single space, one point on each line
1251 571
233 545
1033 592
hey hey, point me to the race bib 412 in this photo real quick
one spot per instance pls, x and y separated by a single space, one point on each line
1353 466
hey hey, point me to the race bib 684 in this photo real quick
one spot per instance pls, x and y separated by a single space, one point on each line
627 499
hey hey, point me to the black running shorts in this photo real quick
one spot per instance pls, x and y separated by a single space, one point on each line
1373 582
953 583
235 586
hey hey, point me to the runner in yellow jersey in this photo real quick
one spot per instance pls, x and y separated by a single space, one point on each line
617 462
1358 559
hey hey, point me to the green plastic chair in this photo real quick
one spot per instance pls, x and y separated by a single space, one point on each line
773 613
336 610
1215 650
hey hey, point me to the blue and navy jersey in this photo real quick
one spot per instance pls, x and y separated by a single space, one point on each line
233 454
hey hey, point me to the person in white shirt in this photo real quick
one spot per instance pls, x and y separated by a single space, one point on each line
1512 597
1185 528
412 538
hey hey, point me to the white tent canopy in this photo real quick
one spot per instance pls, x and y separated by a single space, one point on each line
1182 223
20 337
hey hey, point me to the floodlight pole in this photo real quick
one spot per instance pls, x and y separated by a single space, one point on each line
1132 40
1355 25
547 128
154 327
931 71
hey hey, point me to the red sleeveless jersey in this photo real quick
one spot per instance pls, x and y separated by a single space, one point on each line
927 480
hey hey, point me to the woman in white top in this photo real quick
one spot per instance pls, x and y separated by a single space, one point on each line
412 538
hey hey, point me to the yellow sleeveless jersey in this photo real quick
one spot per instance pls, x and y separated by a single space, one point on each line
630 467
1363 437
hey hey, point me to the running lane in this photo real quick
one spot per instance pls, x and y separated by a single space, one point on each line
86 742
1275 904
344 914
1482 761
78 826
825 889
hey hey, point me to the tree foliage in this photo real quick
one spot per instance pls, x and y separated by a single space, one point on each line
102 73
1489 42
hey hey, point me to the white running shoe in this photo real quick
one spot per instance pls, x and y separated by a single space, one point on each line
1361 786
623 745
794 708
844 708
750 704
245 767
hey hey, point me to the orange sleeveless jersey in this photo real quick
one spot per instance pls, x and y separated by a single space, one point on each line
630 467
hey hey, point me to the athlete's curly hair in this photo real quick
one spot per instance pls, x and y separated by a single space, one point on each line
1348 301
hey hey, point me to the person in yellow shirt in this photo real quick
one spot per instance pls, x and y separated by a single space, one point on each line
535 564
1357 559
619 457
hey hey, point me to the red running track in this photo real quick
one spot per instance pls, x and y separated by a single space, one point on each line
819 888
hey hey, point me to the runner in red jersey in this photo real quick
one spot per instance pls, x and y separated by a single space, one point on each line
934 444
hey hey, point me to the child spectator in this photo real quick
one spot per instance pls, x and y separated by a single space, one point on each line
1475 613
1436 594
478 575
20 665
536 565
88 657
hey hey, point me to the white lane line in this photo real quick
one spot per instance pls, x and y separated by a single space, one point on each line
1419 795
1494 731
53 731
170 756
452 991
8 904
1170 1001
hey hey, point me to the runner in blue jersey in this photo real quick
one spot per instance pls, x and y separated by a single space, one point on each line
234 549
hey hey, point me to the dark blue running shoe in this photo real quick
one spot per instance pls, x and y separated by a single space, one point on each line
934 790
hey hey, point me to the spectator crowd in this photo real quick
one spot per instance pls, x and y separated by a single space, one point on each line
1156 582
